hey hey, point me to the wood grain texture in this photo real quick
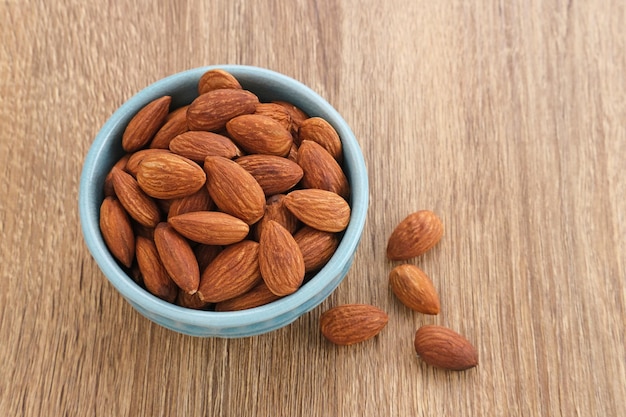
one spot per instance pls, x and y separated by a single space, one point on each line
505 118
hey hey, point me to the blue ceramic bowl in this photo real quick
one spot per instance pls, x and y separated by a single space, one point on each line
107 149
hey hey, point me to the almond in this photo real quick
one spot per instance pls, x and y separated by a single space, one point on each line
415 235
192 301
155 277
297 116
177 258
276 112
275 210
197 145
117 231
234 190
210 227
138 205
213 109
320 209
132 166
317 247
145 124
321 132
280 260
205 254
321 170
217 79
352 323
175 124
414 289
257 296
274 174
198 201
233 272
444 348
255 133
169 176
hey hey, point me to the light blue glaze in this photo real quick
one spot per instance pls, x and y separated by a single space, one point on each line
107 149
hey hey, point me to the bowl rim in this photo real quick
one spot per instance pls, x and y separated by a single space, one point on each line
343 256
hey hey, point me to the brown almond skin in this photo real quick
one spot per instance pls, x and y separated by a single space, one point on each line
155 277
258 134
143 126
137 204
191 301
352 323
132 166
175 124
210 227
297 117
205 254
233 272
234 190
444 348
317 247
117 231
217 79
210 111
275 210
256 297
108 181
280 260
318 130
274 174
321 170
320 209
415 235
177 258
276 112
197 145
198 201
414 289
169 176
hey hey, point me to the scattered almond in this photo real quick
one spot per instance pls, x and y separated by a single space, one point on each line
414 236
414 289
352 323
444 348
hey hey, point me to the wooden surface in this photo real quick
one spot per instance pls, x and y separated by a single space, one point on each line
507 118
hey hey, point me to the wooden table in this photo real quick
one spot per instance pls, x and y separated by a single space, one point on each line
506 118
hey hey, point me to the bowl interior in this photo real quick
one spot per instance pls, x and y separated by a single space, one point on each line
107 149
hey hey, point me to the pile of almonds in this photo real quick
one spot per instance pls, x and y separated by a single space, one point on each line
436 345
227 203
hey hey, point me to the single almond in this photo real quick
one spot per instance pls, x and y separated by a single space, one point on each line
352 323
145 124
414 236
155 277
318 130
234 190
217 79
297 116
321 170
259 134
169 176
210 227
233 272
210 111
280 260
276 112
444 348
132 166
197 145
414 289
320 209
177 258
137 204
256 297
117 231
275 210
175 124
317 247
274 174
198 201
